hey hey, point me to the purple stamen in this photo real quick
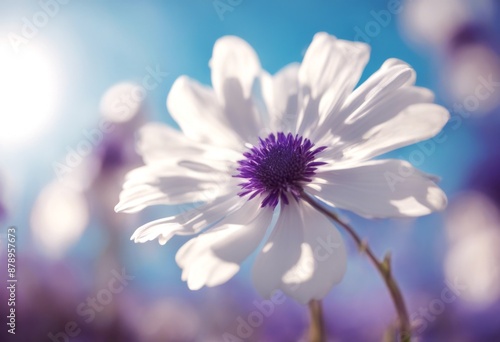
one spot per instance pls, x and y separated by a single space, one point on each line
278 166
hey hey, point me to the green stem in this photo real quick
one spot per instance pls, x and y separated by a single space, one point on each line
383 267
317 328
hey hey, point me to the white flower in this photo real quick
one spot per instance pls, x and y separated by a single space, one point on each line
317 134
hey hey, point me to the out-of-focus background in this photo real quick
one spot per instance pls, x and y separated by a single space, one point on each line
78 78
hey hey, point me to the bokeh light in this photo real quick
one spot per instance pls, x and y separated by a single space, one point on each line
58 219
29 94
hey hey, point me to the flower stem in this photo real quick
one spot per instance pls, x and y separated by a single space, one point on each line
383 267
317 328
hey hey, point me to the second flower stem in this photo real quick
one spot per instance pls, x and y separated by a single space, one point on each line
383 267
317 328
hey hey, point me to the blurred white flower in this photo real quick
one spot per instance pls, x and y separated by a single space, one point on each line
473 226
58 219
472 78
255 142
122 102
170 320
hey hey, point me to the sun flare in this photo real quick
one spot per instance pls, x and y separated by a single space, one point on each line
28 94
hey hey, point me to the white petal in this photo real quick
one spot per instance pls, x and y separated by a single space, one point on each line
281 93
416 123
331 62
214 257
233 58
235 69
383 109
304 257
322 262
196 109
190 222
159 143
380 188
281 251
171 184
329 72
393 110
392 75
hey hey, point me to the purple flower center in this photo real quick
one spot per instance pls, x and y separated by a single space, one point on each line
278 166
